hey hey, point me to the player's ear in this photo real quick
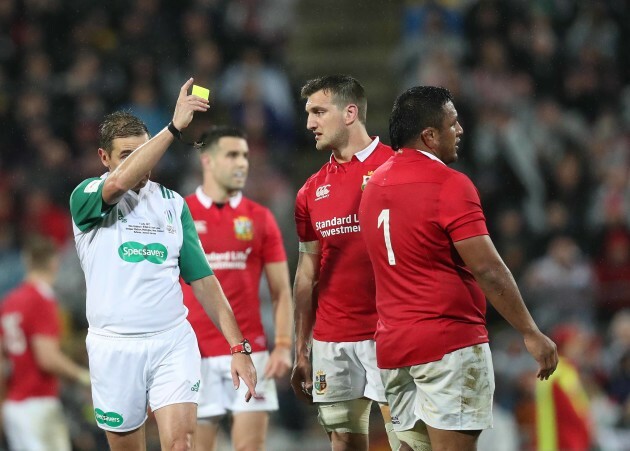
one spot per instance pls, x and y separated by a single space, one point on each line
205 159
429 137
352 113
104 156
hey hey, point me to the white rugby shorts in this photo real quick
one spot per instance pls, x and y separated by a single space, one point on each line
217 395
454 393
131 373
345 371
36 424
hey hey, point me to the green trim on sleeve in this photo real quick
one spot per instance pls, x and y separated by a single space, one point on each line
193 264
86 204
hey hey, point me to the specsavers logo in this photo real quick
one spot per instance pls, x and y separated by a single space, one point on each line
134 252
111 419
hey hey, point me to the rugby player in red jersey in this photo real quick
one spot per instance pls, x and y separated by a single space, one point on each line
335 311
435 264
30 328
241 240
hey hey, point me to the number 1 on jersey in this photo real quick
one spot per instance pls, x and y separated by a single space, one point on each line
383 218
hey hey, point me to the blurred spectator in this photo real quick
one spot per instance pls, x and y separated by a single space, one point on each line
559 285
251 74
144 103
42 217
563 419
613 274
512 237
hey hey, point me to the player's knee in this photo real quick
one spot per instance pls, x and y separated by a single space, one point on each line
416 439
351 417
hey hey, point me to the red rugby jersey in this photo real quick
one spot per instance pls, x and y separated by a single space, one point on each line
429 303
326 209
27 311
238 239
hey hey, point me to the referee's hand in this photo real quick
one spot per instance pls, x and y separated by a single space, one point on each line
243 368
186 106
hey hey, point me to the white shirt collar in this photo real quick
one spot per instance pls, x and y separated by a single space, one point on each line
206 201
363 154
430 155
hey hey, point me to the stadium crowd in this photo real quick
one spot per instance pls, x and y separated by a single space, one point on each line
543 94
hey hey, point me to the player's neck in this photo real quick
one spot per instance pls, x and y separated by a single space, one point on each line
218 194
357 141
40 277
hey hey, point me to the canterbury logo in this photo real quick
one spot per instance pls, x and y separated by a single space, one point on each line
322 192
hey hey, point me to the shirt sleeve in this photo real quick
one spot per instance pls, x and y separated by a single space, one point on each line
305 229
461 214
86 204
193 264
273 247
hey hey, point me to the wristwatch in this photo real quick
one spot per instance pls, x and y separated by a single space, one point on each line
243 347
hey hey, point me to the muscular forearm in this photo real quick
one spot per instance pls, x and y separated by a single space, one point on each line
51 359
501 290
304 316
282 318
209 293
140 162
277 274
62 366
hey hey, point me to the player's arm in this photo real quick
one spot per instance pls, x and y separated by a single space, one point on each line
497 283
195 270
210 295
277 274
304 300
143 159
3 382
3 375
51 359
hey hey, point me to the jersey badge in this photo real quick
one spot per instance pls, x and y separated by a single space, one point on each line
170 220
320 382
322 192
243 228
365 179
92 187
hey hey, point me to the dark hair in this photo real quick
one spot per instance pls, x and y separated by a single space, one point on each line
121 124
344 90
414 110
38 251
211 137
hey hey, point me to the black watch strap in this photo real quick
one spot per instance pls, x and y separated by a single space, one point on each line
176 133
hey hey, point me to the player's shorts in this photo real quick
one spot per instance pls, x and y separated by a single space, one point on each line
130 373
346 371
454 393
217 395
36 424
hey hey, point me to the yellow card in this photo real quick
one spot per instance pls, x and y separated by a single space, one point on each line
200 92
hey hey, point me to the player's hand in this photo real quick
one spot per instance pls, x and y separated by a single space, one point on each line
302 380
186 106
242 367
279 362
544 351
